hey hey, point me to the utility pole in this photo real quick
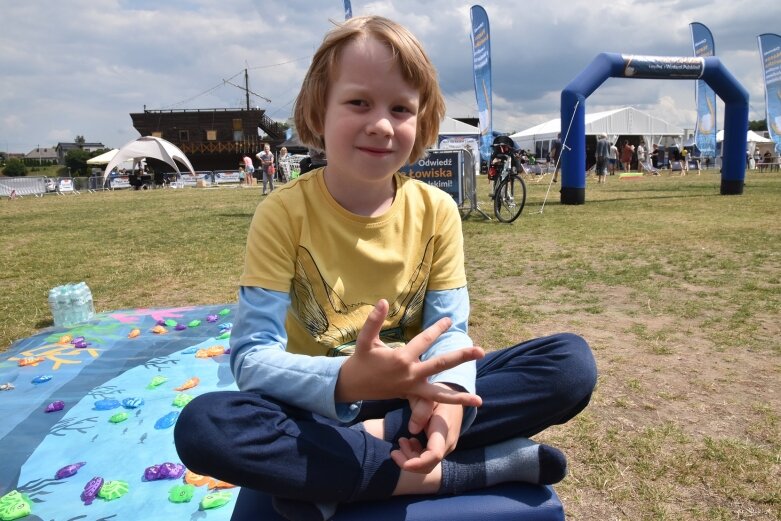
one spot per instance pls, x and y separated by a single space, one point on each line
246 86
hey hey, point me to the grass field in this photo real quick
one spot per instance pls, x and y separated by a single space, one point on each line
676 288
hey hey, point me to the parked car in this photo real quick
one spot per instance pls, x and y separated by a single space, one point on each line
51 184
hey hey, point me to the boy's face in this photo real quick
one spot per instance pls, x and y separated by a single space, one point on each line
371 114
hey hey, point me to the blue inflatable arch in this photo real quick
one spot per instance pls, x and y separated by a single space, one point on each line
612 65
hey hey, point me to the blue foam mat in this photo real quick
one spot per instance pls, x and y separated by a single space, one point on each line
506 502
34 444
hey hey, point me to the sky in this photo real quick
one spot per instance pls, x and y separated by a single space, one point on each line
79 67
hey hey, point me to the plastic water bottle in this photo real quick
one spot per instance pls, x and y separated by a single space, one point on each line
79 301
63 303
70 306
85 304
54 306
89 303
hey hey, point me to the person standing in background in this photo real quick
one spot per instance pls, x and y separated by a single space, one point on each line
315 159
640 156
626 156
602 154
555 155
283 166
613 159
249 169
267 168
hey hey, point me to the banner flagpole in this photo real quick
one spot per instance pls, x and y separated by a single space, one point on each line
706 127
481 61
770 54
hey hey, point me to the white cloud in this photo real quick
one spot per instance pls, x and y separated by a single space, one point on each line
80 67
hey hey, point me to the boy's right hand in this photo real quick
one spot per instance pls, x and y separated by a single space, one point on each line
377 372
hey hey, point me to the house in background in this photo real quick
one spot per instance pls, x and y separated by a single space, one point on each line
42 154
63 148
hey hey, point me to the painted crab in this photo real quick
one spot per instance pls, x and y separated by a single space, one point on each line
182 399
181 493
14 505
118 417
215 500
69 470
156 381
113 490
91 490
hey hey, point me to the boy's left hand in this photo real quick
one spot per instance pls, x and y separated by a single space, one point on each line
442 424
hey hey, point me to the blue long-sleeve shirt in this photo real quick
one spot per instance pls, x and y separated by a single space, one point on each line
261 363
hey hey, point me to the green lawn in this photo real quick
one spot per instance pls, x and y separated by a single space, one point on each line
676 288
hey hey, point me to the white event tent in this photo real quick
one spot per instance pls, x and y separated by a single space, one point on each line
450 126
754 141
149 146
751 137
104 158
454 134
626 121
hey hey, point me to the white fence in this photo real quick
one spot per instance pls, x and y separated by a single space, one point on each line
21 186
39 186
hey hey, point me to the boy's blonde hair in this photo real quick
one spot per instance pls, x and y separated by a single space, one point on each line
416 69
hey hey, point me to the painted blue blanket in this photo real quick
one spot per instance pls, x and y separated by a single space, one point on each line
111 373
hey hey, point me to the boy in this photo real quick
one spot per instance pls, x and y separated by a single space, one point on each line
324 253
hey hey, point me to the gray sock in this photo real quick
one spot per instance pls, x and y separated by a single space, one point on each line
518 459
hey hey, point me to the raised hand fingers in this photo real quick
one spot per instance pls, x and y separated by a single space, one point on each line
439 394
373 325
413 457
423 340
448 360
421 413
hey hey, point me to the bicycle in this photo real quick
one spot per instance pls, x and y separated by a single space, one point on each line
508 190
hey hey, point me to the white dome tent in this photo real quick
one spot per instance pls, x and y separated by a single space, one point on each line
149 146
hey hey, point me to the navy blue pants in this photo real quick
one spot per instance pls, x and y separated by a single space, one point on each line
253 441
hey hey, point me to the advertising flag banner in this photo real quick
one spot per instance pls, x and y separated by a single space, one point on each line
481 58
348 10
705 128
770 53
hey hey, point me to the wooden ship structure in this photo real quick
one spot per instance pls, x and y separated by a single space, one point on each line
213 139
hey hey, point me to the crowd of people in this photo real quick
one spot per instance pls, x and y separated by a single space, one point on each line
758 160
279 168
608 158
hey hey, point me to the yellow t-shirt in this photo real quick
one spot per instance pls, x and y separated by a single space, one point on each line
337 265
